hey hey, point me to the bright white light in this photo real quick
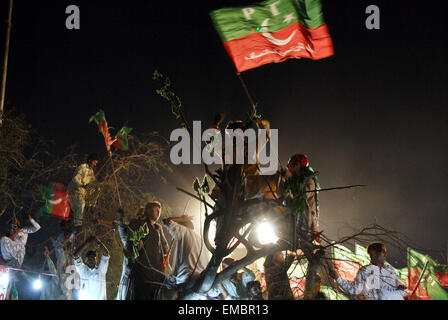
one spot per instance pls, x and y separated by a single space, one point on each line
4 278
83 295
266 234
37 284
212 232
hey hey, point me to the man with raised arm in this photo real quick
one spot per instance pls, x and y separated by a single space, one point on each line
92 273
13 246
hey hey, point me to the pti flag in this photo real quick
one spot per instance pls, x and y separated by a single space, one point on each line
56 198
424 277
121 139
273 31
100 120
346 263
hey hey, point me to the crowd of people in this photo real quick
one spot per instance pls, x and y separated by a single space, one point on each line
154 269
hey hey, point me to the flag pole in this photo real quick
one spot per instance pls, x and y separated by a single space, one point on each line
115 177
249 96
251 100
419 280
5 61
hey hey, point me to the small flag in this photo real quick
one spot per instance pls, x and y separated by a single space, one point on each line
273 31
100 120
121 139
56 198
14 295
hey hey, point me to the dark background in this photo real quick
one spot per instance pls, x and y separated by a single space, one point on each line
374 113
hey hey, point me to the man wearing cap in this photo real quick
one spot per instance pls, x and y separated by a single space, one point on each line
300 178
83 176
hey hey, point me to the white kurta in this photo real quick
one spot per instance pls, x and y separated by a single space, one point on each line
374 283
13 251
186 252
82 177
93 281
63 260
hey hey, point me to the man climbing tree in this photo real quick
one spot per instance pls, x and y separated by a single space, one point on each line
83 176
299 178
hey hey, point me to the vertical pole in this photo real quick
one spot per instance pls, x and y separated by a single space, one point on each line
5 61
115 177
243 83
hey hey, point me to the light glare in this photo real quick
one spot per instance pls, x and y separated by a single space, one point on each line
266 234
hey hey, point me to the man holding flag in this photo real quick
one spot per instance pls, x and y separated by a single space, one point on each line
83 176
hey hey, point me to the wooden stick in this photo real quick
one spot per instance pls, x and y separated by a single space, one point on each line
337 188
116 182
419 280
243 83
192 195
5 61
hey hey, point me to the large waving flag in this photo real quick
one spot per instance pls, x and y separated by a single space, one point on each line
56 198
273 31
424 281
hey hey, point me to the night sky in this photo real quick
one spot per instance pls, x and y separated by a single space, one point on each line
374 113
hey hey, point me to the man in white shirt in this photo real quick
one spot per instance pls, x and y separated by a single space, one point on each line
62 247
13 247
93 277
375 281
83 176
235 287
186 255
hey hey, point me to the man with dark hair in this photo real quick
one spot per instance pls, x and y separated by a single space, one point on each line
376 281
13 246
92 273
254 291
83 176
147 271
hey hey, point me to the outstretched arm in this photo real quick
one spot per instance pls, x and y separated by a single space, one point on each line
82 247
352 287
34 226
100 244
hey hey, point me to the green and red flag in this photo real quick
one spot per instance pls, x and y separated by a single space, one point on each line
346 263
100 120
273 31
56 198
330 294
424 284
121 139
